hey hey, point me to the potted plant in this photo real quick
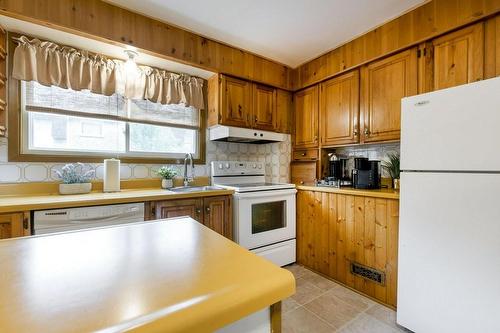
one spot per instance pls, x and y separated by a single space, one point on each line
75 179
167 174
392 167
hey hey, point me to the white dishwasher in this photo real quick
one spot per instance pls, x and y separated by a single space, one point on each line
57 220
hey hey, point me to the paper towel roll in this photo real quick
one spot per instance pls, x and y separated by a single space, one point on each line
111 175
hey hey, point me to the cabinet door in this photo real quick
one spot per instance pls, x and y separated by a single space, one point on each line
175 208
383 84
458 57
303 173
306 118
14 225
264 107
339 110
218 215
283 111
236 102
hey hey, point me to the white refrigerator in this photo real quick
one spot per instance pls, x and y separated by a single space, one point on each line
449 232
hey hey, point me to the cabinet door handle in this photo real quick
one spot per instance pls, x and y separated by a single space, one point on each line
25 223
256 119
303 154
198 211
367 132
355 133
208 210
315 138
302 182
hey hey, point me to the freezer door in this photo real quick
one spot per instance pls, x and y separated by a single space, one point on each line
452 129
449 253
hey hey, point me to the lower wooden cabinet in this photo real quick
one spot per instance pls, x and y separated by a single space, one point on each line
337 230
303 173
214 212
14 225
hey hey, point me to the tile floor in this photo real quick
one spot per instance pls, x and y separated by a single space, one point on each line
320 305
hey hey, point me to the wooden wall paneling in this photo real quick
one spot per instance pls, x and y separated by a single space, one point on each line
321 232
425 22
458 57
369 238
380 245
350 235
342 264
425 69
359 239
392 251
284 111
3 82
109 23
332 234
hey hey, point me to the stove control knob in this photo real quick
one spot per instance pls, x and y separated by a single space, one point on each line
255 166
228 165
260 166
221 166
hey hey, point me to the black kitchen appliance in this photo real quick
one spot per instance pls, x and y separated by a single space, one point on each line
366 173
338 172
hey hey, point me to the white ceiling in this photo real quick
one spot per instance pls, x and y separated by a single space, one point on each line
288 31
92 45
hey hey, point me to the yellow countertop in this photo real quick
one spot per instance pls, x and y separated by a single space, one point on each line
171 275
49 201
379 193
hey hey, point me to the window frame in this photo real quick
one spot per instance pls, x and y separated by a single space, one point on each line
17 130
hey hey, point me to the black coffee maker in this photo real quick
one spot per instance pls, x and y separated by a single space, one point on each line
338 170
366 173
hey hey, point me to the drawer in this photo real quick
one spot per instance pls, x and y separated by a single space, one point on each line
305 155
303 173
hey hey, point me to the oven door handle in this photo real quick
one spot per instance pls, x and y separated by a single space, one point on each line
265 194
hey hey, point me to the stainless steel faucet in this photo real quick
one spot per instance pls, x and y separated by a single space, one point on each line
187 179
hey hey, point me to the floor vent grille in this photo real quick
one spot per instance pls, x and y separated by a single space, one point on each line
369 273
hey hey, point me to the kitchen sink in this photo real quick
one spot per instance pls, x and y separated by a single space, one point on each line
182 189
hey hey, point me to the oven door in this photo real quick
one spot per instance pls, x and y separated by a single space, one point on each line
264 217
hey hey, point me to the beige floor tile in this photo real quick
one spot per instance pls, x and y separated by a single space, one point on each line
367 324
301 320
352 298
305 291
288 304
319 281
297 270
332 309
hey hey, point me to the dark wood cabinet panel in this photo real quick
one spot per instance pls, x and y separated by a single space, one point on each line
264 107
14 225
218 215
176 208
236 102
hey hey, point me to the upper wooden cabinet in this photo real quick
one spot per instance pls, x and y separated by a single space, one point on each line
383 84
214 212
457 58
264 107
14 225
283 111
240 103
306 118
339 110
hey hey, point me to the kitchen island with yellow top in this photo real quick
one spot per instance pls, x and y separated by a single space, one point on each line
172 275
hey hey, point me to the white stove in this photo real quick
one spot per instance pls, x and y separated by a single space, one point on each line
263 213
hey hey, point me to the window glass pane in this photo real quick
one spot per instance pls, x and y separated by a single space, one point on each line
162 139
171 113
68 133
268 216
37 95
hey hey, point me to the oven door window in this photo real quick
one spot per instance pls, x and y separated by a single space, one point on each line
267 216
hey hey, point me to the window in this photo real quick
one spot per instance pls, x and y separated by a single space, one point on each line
60 121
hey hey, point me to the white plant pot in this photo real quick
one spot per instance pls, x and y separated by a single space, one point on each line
80 188
167 183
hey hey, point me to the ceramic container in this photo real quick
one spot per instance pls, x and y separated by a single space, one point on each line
167 183
78 188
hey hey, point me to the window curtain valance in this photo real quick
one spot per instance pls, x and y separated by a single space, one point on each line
53 65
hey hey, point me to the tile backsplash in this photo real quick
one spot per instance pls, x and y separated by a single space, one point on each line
275 155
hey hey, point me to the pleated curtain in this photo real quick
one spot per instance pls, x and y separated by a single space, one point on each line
53 65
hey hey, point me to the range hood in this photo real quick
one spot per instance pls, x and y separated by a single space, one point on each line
243 135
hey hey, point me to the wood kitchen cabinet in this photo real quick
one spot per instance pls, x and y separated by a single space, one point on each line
456 58
240 103
264 107
284 109
303 173
214 212
383 84
306 118
15 225
337 230
339 110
